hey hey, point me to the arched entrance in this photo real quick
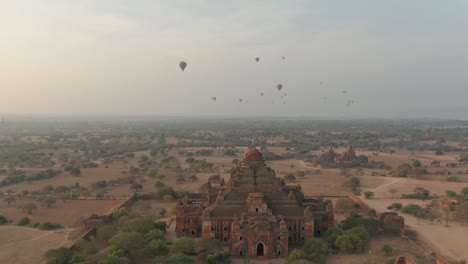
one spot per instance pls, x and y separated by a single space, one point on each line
260 250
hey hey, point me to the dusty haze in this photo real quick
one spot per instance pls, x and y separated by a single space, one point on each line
395 58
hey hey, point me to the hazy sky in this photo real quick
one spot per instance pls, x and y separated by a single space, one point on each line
396 58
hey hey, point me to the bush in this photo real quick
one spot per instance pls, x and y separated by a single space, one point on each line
185 245
451 193
219 258
24 221
387 249
296 255
354 240
368 194
413 209
157 247
180 259
395 206
371 225
453 179
3 220
119 213
316 249
50 226
128 241
355 182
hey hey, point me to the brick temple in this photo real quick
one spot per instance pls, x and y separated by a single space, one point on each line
255 213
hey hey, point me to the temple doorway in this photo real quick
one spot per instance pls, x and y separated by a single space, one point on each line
260 249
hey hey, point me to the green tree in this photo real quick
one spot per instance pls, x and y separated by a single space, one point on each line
295 255
159 185
464 191
105 232
49 201
160 225
75 172
219 258
354 240
138 224
154 234
180 259
3 220
152 173
316 249
290 177
136 187
59 255
349 243
387 249
193 178
163 212
355 182
128 241
450 193
24 221
119 213
368 194
157 247
185 245
331 235
180 178
416 163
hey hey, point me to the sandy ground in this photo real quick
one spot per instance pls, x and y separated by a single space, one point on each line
447 241
67 213
23 245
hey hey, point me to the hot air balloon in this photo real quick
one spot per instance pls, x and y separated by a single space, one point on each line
344 91
279 87
213 99
283 57
240 100
182 65
257 59
261 94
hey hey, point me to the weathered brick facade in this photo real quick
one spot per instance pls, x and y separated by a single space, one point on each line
255 214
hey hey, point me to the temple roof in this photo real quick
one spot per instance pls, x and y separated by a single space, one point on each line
253 155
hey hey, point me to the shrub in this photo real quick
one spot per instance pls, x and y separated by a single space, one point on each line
24 221
411 209
119 213
185 245
219 258
368 194
50 226
180 259
157 247
387 249
451 193
395 206
453 179
3 220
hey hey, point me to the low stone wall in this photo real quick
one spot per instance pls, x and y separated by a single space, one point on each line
108 215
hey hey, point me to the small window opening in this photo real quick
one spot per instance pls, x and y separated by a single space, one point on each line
256 210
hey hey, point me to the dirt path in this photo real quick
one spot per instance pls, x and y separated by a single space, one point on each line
447 241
